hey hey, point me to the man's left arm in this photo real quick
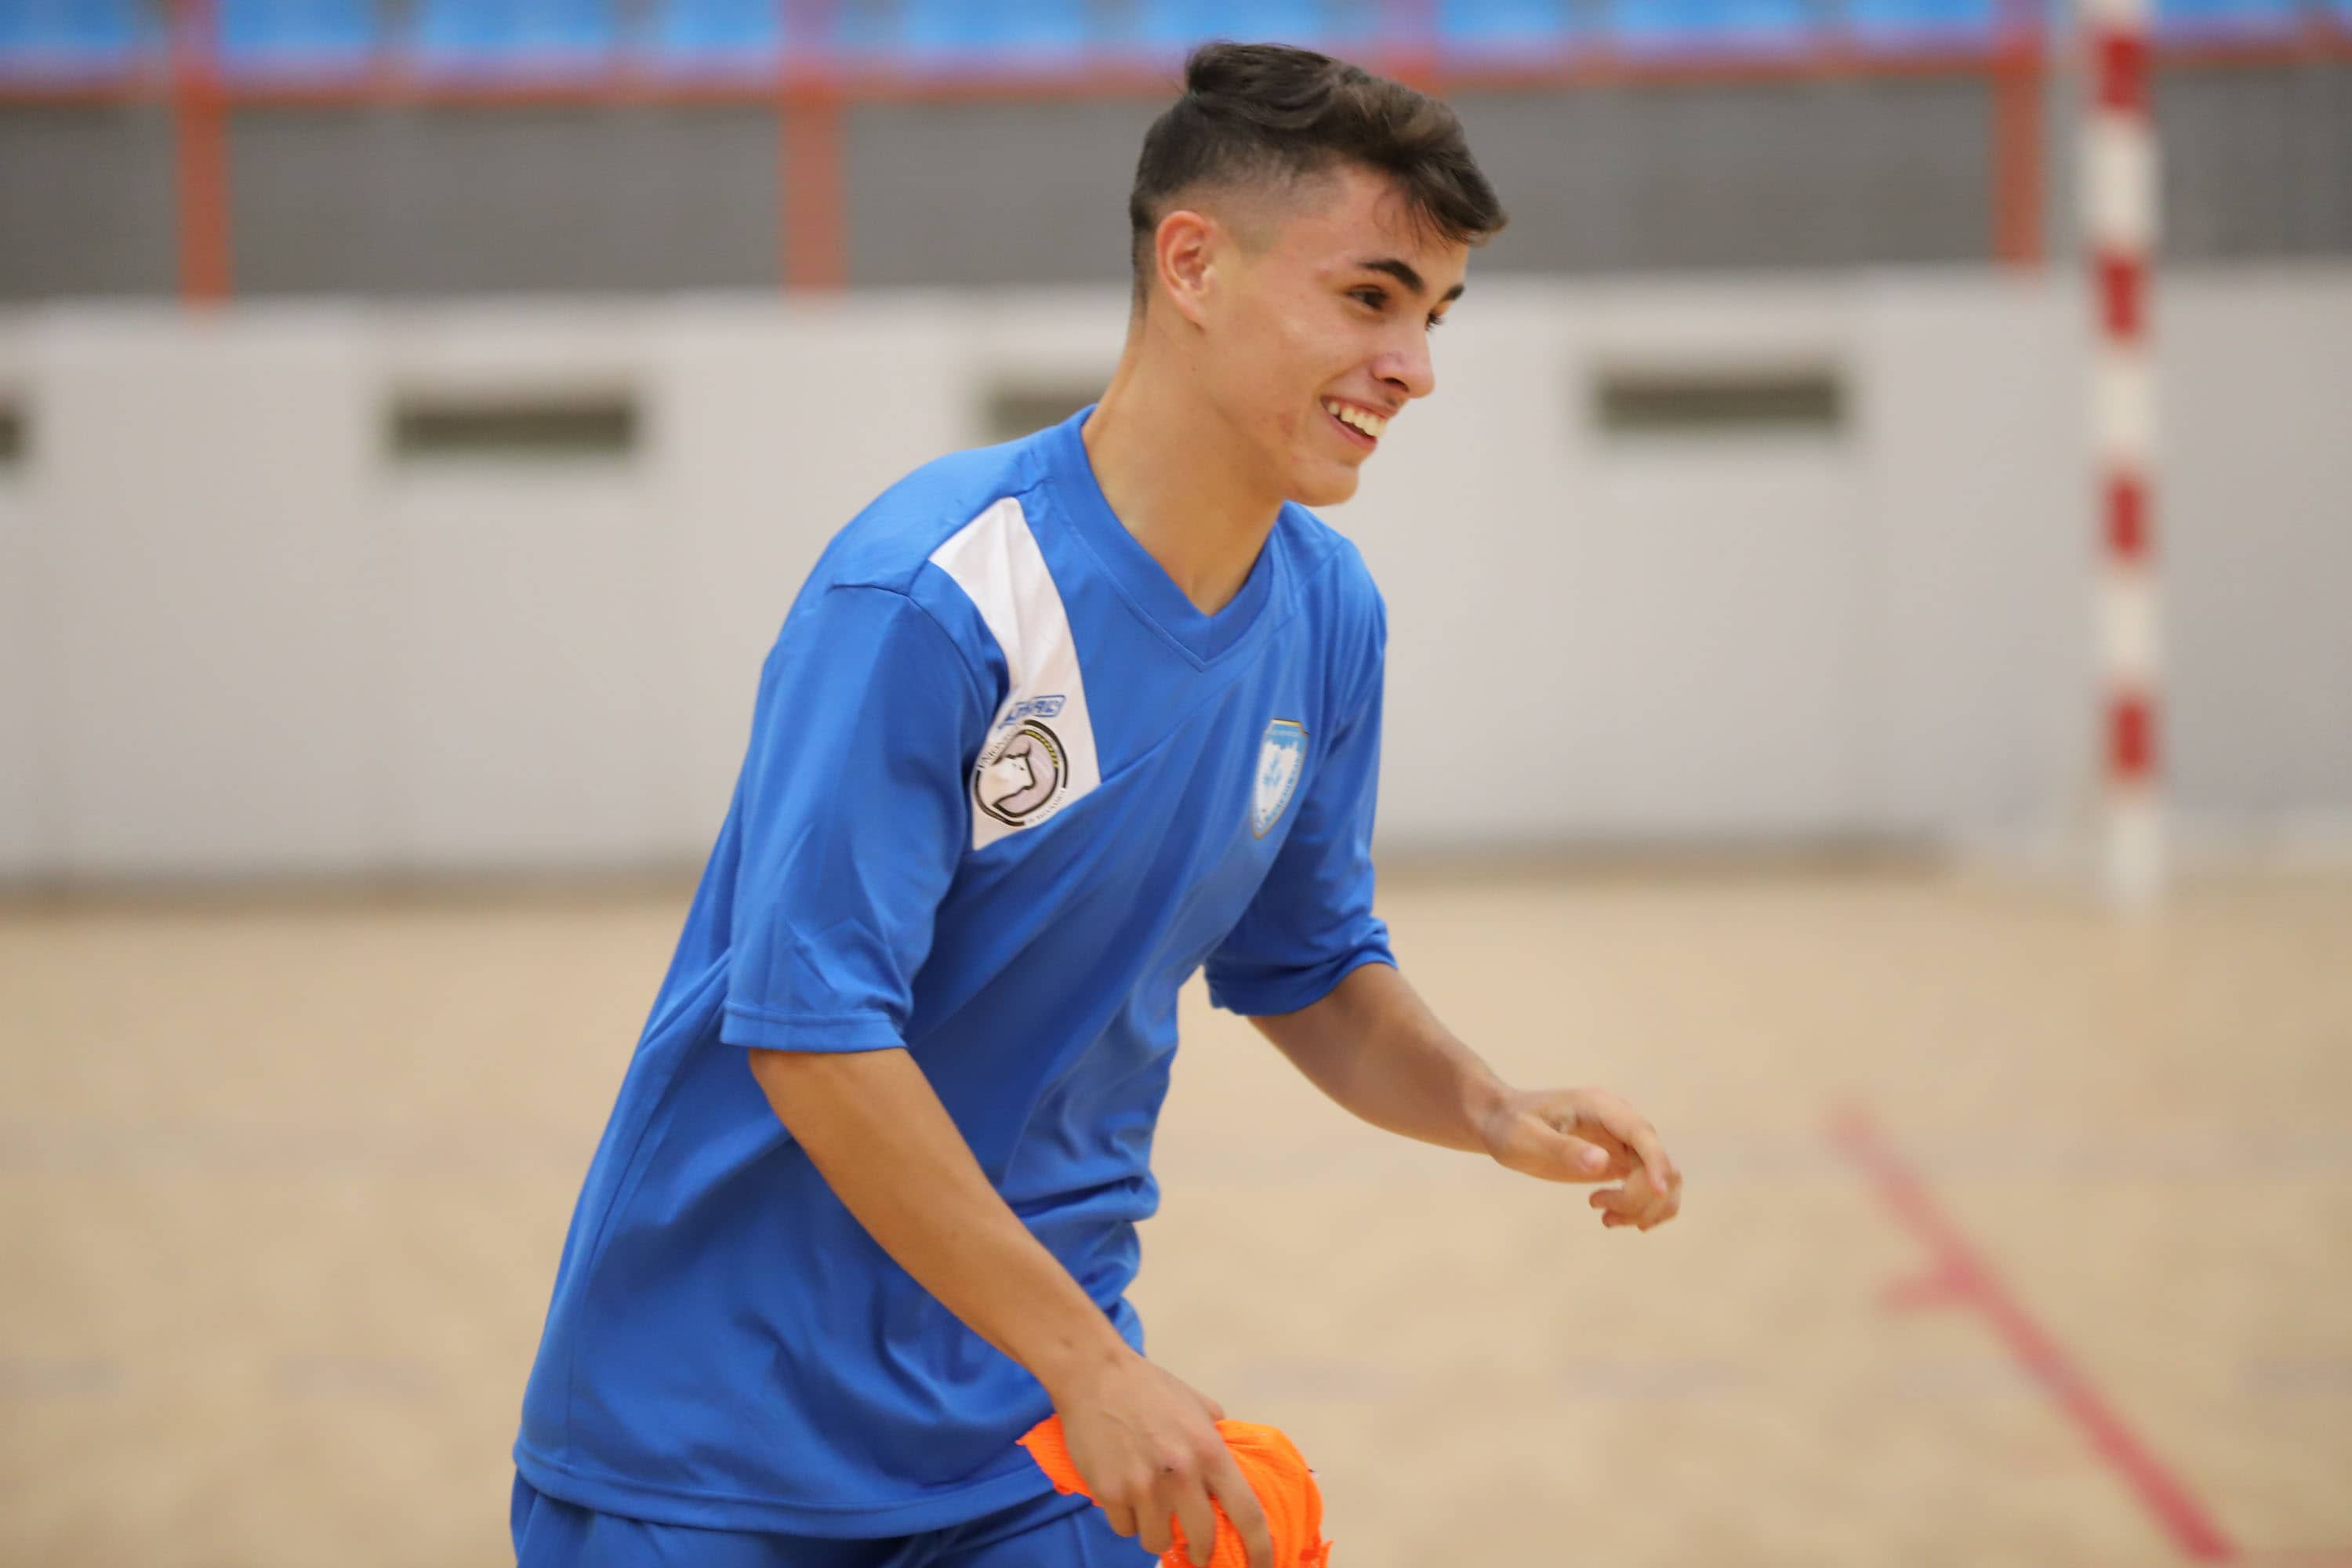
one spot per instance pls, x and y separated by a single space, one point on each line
1310 963
1374 1046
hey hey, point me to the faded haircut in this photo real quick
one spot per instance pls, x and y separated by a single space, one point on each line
1267 115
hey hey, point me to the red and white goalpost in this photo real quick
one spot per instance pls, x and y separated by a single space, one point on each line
2119 205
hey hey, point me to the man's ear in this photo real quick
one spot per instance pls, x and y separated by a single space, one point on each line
1185 250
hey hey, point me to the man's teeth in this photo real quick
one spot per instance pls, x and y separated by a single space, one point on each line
1369 424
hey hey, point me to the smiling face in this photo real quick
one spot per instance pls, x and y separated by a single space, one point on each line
1313 311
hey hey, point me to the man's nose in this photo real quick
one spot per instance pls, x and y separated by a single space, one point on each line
1408 367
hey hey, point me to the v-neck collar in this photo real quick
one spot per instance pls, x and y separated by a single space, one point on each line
1139 576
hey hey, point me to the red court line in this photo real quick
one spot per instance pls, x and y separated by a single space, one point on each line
1960 1274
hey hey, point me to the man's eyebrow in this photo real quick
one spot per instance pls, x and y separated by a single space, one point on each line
1405 273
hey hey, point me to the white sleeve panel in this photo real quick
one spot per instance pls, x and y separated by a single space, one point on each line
1040 751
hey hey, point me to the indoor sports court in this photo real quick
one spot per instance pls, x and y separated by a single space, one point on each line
2013 1236
1866 680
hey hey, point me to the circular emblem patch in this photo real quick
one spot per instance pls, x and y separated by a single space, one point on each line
1022 777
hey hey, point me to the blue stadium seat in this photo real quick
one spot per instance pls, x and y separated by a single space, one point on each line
1504 26
939 29
1895 22
296 34
2229 17
717 33
863 27
513 35
1654 26
41 35
1351 31
1178 25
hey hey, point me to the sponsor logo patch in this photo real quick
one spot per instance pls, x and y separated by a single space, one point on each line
1032 708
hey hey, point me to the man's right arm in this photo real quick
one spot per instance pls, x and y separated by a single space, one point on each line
1146 1442
855 815
878 1134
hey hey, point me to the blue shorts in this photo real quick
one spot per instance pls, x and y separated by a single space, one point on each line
1050 1532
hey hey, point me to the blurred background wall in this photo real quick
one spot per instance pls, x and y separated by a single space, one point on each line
541 343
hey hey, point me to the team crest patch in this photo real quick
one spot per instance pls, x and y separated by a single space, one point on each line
1281 758
1023 777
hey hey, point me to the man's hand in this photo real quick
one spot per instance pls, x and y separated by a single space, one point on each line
1587 1135
1148 1449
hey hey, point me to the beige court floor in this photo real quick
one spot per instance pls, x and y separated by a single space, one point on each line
282 1185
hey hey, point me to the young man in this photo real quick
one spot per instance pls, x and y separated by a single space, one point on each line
1051 726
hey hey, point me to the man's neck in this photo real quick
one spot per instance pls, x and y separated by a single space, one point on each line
1176 478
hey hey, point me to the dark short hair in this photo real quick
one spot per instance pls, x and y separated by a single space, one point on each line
1270 114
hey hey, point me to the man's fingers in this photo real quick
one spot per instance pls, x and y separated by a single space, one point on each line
1242 1510
1617 1201
1664 1203
1592 1129
1198 1515
1122 1519
1588 1158
1653 1155
1580 1159
1153 1528
1636 1203
1625 1124
1585 1124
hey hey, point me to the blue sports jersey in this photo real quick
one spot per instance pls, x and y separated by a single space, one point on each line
1007 788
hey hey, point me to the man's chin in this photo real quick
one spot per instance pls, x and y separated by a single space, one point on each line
1325 486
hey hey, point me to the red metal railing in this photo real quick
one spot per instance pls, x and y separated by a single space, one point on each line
809 94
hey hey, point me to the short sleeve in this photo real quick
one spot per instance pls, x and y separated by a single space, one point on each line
1311 923
850 818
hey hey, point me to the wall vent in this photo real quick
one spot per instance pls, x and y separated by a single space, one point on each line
1801 400
525 427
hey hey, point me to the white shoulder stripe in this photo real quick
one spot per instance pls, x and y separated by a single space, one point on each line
1040 751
